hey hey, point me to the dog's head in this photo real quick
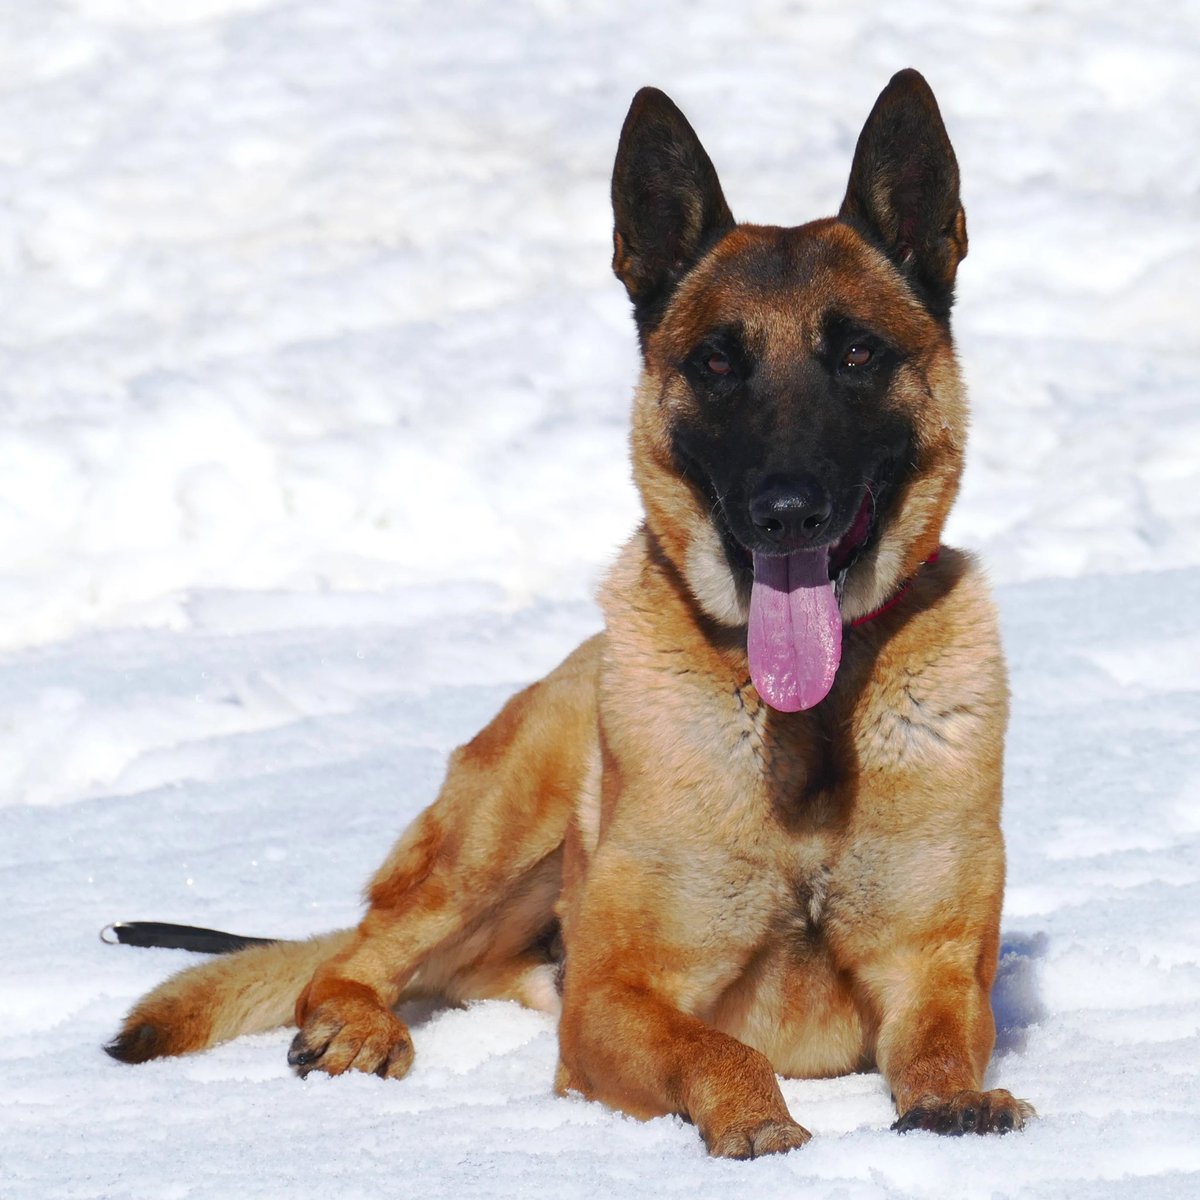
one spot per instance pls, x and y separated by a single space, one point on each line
799 425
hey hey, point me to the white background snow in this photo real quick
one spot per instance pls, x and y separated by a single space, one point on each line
313 394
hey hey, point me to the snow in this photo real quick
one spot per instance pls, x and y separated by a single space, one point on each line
313 396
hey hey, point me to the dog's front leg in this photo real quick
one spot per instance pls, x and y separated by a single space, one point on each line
935 1037
651 947
622 1044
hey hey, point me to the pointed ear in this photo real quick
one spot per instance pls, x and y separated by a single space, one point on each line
667 204
903 189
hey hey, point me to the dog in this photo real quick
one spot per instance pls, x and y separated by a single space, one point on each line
752 827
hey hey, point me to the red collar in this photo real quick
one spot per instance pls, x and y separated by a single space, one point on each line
900 594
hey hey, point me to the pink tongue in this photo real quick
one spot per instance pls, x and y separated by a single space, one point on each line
795 634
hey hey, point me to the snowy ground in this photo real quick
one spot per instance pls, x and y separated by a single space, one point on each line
313 388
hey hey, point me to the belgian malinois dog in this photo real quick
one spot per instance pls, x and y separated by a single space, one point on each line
752 827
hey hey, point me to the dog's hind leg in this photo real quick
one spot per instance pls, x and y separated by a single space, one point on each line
467 895
528 979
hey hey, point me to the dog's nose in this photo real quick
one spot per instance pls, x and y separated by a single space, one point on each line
791 511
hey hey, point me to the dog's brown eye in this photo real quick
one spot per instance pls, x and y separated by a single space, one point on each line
719 364
857 356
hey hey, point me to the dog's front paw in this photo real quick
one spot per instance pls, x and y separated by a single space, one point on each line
766 1137
352 1034
996 1111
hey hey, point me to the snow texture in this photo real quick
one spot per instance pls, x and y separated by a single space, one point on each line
312 447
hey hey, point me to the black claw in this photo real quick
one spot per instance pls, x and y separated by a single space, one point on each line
915 1118
975 1118
301 1056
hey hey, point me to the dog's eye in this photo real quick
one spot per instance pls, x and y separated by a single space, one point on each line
857 355
718 363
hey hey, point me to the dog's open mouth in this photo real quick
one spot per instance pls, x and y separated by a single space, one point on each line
794 634
850 549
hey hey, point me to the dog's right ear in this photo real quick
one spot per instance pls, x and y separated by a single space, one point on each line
668 208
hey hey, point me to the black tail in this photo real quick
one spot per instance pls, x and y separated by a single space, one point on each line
163 936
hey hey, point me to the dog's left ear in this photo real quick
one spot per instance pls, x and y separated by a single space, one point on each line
904 189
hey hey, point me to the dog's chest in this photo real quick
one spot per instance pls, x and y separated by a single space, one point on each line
794 1001
796 759
799 765
808 893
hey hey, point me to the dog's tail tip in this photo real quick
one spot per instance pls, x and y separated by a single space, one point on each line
138 1042
165 1025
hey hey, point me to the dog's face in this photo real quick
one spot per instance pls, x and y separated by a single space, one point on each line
799 425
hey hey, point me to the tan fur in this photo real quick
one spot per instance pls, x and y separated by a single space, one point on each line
741 892
248 992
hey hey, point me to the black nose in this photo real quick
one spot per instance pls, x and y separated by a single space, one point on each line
791 511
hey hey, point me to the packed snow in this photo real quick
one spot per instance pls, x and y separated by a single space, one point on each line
312 448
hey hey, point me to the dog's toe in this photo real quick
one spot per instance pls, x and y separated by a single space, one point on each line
767 1137
997 1111
340 1037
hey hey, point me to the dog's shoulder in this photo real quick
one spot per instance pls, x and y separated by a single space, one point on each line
933 691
